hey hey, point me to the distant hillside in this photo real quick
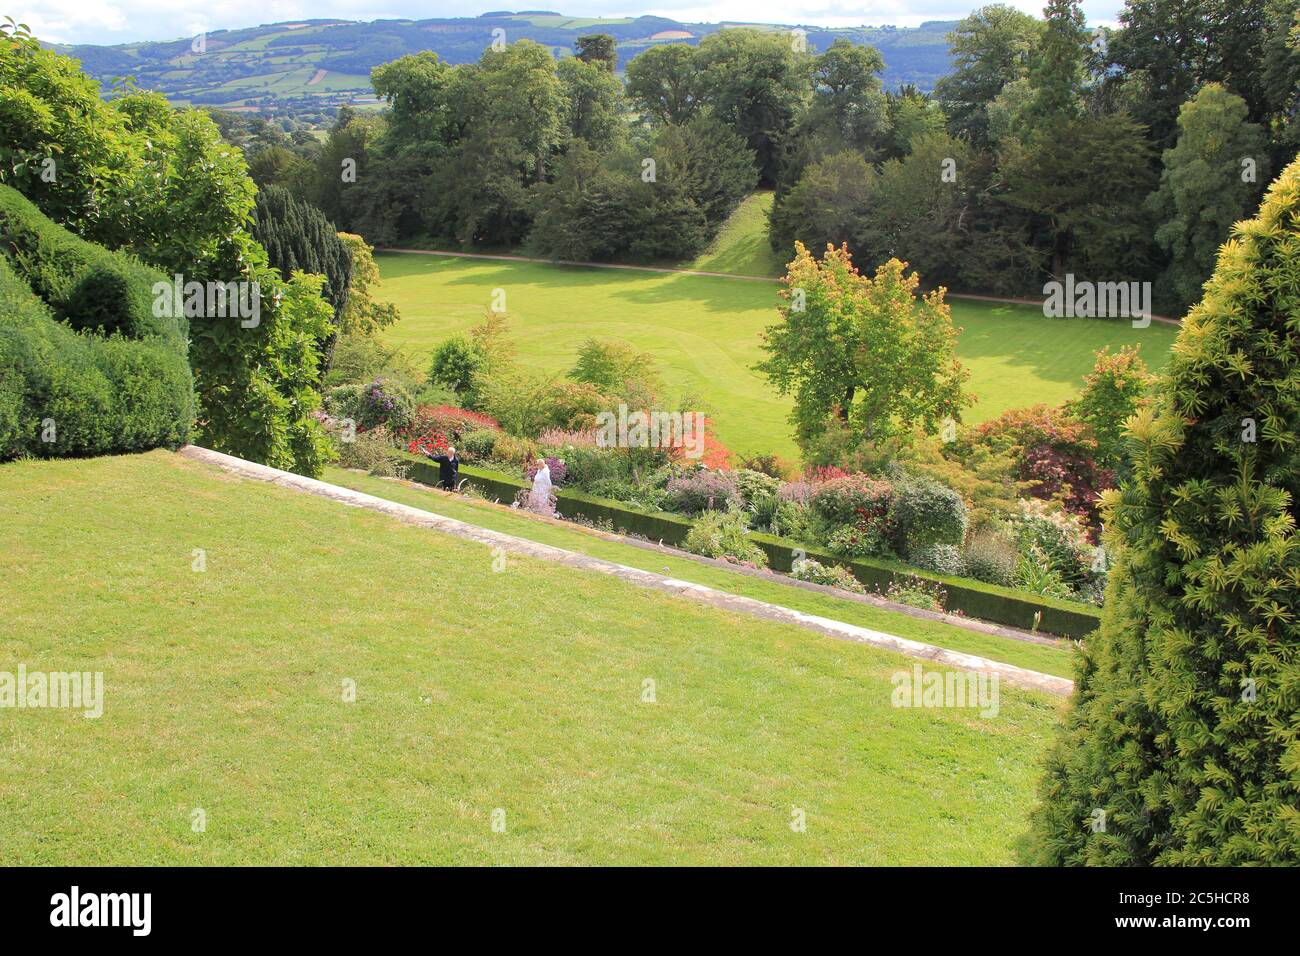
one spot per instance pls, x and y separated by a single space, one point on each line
307 67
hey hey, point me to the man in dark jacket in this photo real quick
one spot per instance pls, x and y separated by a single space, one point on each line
448 468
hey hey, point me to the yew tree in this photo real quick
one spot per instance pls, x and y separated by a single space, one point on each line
1182 745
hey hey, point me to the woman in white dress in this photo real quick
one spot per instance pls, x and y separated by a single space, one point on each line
539 499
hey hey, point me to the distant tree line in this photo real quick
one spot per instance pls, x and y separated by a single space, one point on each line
1050 148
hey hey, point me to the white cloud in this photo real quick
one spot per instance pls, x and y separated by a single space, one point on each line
121 21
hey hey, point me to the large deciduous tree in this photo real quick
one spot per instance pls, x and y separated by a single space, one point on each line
863 354
990 48
757 82
664 83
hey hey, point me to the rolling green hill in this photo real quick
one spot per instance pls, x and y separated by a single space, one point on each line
309 66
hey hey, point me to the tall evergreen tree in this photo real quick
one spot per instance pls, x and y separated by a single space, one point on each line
1183 746
1056 71
298 237
1208 183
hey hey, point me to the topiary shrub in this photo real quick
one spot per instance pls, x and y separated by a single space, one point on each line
1180 747
89 287
923 513
68 392
722 534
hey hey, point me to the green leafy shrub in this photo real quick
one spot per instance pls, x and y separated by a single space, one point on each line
940 558
992 556
1035 574
923 513
374 452
363 358
1058 540
722 534
864 539
513 451
1114 389
830 575
917 592
478 445
381 402
457 364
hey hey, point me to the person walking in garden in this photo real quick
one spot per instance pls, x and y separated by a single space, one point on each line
448 468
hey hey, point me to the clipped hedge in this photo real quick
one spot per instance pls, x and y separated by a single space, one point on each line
67 392
975 599
89 287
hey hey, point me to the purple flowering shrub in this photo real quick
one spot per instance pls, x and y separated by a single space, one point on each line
700 491
556 465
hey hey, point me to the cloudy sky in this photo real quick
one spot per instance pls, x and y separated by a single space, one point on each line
119 21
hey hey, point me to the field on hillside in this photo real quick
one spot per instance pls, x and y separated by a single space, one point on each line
476 691
704 333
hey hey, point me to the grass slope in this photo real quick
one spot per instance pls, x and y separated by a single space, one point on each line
476 690
1048 660
704 333
741 246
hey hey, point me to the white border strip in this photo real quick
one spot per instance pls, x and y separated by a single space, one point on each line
1017 676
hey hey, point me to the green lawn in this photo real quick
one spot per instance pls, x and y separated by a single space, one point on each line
741 246
476 690
1039 657
704 333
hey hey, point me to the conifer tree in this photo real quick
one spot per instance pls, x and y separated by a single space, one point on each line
297 236
1182 746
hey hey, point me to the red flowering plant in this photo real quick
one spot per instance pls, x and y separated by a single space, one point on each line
448 421
823 473
430 444
435 428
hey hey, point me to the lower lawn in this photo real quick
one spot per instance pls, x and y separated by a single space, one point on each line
704 333
1047 659
477 689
